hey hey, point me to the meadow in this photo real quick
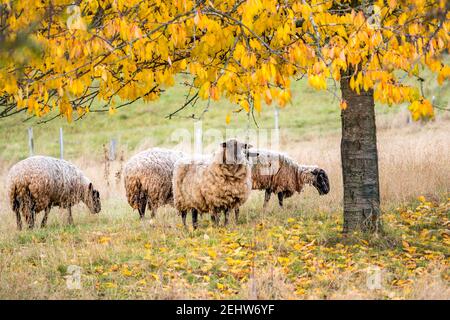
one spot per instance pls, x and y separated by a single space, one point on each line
297 252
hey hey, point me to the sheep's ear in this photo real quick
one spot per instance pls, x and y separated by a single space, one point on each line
90 186
252 154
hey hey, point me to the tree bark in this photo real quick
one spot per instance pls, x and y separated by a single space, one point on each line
359 160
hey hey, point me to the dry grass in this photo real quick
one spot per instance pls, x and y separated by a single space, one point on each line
268 284
112 247
413 160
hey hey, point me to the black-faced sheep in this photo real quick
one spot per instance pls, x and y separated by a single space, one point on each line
279 174
148 179
215 184
39 183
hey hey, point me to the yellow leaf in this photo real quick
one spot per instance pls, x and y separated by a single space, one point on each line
343 105
257 102
126 272
300 291
114 267
155 276
183 64
220 286
214 92
244 104
197 18
204 90
212 253
104 240
392 4
142 282
228 118
112 111
110 285
268 96
317 82
283 261
284 97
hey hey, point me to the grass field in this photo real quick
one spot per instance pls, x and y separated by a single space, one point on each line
296 252
311 115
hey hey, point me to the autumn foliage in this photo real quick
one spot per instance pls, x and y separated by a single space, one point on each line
102 55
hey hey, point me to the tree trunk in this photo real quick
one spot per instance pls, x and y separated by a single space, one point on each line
359 160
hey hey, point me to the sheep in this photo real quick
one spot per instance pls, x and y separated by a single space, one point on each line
277 173
39 183
148 179
219 183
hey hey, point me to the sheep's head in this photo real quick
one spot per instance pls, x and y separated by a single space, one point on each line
93 200
320 181
234 152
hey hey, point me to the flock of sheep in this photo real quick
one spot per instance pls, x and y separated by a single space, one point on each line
216 183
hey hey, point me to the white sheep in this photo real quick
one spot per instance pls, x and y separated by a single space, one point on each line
148 179
218 183
277 173
39 183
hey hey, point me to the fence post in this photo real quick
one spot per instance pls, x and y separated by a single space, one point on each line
112 150
276 138
198 137
31 141
106 155
61 144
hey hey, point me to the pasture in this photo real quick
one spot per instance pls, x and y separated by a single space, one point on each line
296 252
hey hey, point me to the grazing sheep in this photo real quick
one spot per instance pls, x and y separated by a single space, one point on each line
39 183
277 173
218 183
148 179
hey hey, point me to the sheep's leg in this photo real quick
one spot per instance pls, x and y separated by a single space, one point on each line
267 197
215 218
280 199
236 214
18 219
141 207
69 217
30 206
194 218
183 217
31 218
44 219
226 212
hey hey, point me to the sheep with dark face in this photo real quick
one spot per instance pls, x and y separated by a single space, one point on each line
277 173
39 183
214 184
148 179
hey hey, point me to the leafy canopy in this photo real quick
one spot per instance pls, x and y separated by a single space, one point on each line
56 55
